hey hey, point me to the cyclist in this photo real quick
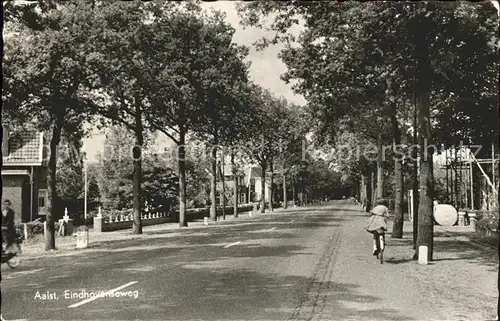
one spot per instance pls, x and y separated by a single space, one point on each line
377 224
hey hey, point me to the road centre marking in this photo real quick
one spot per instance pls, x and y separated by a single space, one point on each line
97 297
232 244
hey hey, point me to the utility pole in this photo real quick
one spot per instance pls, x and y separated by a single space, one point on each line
471 185
493 164
85 195
452 186
447 178
223 183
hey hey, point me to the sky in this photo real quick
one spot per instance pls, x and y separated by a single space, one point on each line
266 69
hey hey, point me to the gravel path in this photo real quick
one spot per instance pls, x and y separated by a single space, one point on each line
459 285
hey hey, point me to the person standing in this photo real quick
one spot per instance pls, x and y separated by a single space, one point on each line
8 230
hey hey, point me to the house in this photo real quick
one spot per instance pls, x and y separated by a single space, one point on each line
24 173
229 181
249 184
253 178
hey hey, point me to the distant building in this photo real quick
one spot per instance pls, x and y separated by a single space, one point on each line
24 173
249 184
253 178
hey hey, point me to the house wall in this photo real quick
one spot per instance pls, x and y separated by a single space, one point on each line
18 189
257 190
229 183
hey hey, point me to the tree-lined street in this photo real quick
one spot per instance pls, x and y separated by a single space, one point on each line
385 103
310 263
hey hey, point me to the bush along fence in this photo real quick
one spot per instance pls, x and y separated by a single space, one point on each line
31 229
106 221
486 223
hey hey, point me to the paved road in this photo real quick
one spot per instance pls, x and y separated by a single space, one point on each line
272 267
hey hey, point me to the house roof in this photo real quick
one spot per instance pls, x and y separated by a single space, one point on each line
254 171
228 171
24 148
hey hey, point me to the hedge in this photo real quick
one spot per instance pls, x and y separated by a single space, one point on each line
487 220
34 228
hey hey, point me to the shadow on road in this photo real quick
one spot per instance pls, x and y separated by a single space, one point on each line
339 303
449 247
190 275
232 294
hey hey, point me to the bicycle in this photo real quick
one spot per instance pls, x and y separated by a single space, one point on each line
11 257
380 243
381 247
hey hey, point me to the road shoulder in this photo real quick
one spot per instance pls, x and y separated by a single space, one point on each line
458 285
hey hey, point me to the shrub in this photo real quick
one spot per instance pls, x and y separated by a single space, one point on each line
487 220
34 228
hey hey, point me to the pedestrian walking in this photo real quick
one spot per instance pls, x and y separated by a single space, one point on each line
8 230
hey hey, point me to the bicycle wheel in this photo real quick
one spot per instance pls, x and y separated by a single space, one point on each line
13 262
382 246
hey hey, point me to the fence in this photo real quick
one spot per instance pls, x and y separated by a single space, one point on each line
120 222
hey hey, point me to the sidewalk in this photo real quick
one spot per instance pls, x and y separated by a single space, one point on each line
65 245
467 234
460 284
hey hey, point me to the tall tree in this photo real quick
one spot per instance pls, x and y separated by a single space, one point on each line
44 77
196 66
385 33
264 144
122 78
115 176
70 182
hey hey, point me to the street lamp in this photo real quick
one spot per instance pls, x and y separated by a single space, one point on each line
85 194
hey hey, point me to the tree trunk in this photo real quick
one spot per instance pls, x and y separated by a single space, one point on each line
271 194
223 183
369 186
182 179
425 206
373 182
293 194
285 201
498 248
213 185
137 152
397 230
362 190
235 179
416 195
380 168
263 189
52 199
414 154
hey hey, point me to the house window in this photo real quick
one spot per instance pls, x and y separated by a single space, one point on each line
42 200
